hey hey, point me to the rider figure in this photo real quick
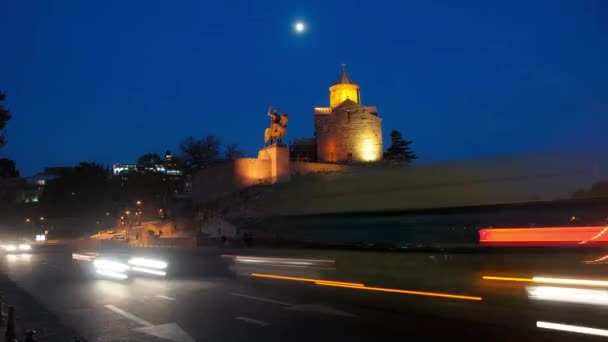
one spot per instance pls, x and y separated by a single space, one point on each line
274 116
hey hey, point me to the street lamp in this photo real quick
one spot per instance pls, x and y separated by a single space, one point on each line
27 220
138 202
41 218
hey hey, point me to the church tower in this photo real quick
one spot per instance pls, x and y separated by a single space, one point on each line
347 131
343 88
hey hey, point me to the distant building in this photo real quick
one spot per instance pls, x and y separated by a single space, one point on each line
38 182
168 167
303 149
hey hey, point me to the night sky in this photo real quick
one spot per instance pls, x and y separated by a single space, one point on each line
107 81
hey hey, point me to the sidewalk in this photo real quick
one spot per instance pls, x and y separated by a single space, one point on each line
30 315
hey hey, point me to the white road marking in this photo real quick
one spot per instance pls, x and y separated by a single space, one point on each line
169 331
132 317
261 299
165 297
253 321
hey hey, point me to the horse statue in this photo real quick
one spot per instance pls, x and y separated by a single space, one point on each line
277 129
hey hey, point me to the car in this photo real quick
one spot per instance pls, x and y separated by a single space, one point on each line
16 247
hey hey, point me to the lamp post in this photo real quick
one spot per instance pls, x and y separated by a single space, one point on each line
28 221
138 212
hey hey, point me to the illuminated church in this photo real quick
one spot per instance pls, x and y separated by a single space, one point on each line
346 131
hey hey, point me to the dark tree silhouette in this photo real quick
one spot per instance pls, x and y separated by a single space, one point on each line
597 190
399 151
81 188
232 152
5 115
8 169
200 153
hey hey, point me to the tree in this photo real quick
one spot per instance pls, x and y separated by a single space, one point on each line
5 115
598 189
399 150
200 153
149 159
81 189
8 169
232 152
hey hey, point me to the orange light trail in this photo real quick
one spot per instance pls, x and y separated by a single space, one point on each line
339 283
411 292
309 280
359 286
527 280
545 235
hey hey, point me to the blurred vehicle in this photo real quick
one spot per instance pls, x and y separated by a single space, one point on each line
16 247
119 266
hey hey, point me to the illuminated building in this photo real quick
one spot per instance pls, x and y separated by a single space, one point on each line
168 167
347 131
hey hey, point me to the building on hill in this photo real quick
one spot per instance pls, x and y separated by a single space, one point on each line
303 149
168 167
346 131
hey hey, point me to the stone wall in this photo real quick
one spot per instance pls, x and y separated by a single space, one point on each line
271 166
451 184
304 168
228 177
251 171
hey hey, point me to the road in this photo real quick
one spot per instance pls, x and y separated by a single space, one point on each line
205 302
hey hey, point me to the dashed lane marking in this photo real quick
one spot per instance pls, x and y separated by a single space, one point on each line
253 321
132 317
261 299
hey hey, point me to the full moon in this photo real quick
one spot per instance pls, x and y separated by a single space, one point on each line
300 27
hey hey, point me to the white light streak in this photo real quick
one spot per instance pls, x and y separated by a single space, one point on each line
568 295
111 274
151 263
567 281
109 265
572 328
149 271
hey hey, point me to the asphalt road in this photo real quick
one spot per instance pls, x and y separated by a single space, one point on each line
205 302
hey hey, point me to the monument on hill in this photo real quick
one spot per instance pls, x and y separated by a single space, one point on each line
276 152
278 127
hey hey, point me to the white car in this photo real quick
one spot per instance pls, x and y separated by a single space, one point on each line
16 247
120 266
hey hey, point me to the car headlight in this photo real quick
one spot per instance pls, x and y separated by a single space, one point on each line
110 265
24 247
148 266
149 263
10 248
